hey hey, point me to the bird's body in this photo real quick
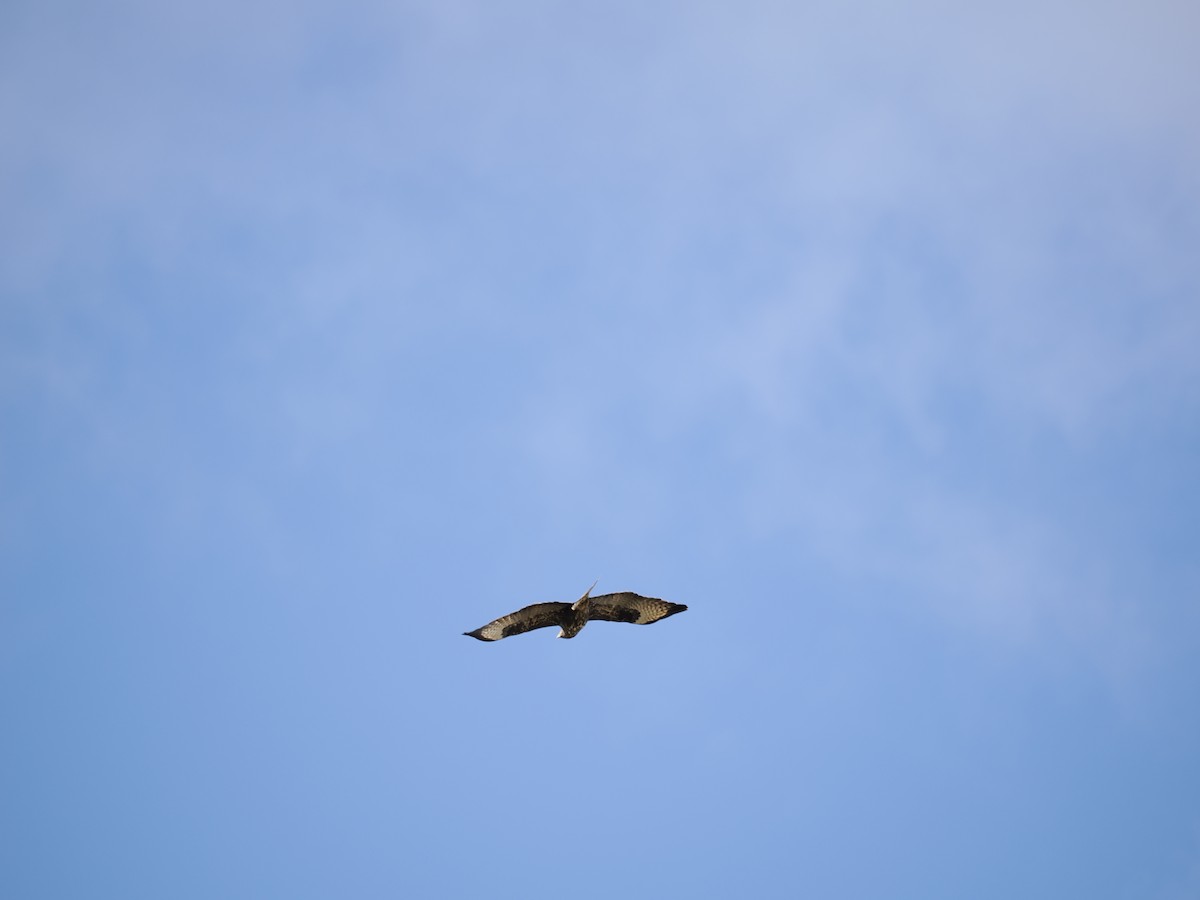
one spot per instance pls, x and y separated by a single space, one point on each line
570 618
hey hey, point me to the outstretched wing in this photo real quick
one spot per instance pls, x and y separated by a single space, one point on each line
539 615
630 607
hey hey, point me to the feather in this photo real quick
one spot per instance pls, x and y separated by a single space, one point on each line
624 606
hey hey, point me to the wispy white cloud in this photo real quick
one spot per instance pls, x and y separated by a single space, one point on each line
826 249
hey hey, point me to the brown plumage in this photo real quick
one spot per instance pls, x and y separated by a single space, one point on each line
625 606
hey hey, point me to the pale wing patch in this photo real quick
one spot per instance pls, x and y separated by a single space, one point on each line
539 615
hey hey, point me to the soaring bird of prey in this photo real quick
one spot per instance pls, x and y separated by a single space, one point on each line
570 618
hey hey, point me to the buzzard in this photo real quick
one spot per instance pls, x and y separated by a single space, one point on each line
570 618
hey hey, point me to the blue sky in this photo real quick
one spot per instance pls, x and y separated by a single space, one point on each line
331 331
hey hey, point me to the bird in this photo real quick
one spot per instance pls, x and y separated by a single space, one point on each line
570 618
